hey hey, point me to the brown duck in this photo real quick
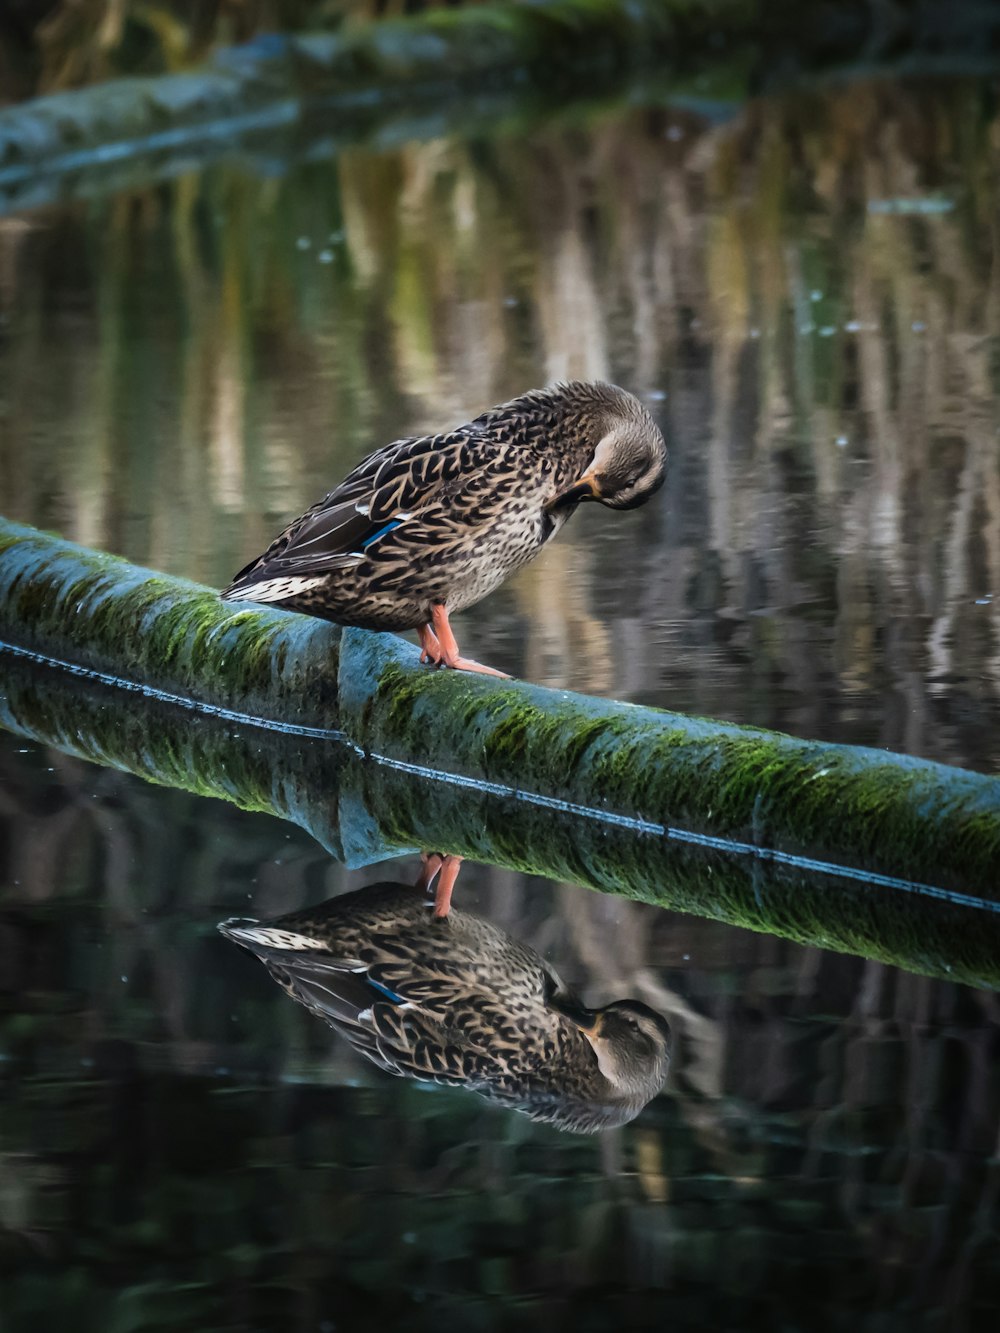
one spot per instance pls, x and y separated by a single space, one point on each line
456 1000
429 525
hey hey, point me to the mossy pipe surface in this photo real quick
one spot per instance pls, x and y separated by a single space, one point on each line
669 773
639 769
166 634
364 810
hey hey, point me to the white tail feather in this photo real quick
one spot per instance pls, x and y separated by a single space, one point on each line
275 590
273 937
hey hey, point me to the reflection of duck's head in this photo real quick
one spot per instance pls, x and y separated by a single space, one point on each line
631 1042
457 1000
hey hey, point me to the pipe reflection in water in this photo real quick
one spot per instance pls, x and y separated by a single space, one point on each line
363 811
454 999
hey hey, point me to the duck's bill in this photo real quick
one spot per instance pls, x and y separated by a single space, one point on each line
584 489
587 1020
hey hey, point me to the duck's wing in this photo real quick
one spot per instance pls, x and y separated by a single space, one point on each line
380 1023
374 1006
401 482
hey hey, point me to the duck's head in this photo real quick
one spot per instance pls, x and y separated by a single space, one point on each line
629 459
631 1042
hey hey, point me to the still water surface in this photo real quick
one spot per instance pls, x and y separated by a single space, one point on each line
805 292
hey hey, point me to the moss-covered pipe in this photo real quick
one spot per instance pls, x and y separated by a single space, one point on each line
95 610
364 810
869 809
662 773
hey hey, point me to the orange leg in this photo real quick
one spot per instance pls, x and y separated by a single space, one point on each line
438 646
442 894
448 868
430 649
431 864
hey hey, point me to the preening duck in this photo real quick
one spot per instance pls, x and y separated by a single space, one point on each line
429 525
454 999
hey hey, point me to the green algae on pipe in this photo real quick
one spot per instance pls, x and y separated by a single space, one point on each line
363 811
869 809
650 770
95 610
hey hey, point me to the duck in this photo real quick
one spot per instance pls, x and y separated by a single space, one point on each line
429 525
456 1000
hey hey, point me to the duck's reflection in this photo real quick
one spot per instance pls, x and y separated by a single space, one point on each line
454 999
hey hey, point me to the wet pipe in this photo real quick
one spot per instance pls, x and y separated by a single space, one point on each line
349 735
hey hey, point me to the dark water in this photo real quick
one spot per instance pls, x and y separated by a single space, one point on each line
805 291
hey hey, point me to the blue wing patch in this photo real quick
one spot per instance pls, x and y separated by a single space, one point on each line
384 990
388 527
